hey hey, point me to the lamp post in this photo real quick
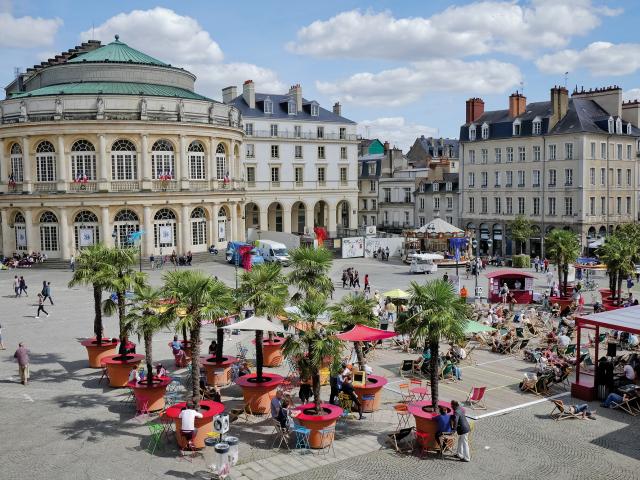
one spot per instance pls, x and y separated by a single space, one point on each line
476 247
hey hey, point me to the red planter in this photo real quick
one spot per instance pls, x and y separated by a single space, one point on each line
152 395
208 409
426 421
258 395
96 352
118 368
272 351
562 301
315 423
374 386
218 371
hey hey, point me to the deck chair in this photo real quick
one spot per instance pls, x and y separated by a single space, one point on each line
280 435
402 440
446 373
562 412
570 350
532 330
406 369
628 404
523 344
476 398
468 360
520 332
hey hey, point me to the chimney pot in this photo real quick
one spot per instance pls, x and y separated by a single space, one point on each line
475 109
249 93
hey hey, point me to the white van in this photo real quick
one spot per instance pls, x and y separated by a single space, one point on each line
273 252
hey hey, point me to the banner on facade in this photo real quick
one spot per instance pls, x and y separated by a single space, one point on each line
86 236
21 237
166 234
222 230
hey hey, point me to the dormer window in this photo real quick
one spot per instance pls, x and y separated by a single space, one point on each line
619 126
268 106
517 128
292 107
449 186
472 132
629 129
536 126
315 110
485 131
610 125
436 186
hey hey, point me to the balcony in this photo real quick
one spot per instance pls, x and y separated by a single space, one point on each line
45 187
199 185
508 185
82 187
536 185
165 186
125 186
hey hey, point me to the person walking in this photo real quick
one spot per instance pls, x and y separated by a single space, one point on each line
356 279
72 263
23 286
46 292
16 285
1 344
367 286
460 424
22 357
345 278
41 306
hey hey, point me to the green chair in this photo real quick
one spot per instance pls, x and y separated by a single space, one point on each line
570 350
155 430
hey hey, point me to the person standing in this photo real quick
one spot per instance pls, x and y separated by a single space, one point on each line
41 306
22 357
23 286
72 263
356 279
367 287
445 277
16 285
46 291
460 424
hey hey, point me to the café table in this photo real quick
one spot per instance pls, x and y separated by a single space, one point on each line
420 393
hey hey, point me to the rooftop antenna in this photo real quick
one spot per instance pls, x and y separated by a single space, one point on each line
93 31
566 78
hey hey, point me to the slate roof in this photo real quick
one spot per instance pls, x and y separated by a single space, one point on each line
370 168
117 52
430 145
280 109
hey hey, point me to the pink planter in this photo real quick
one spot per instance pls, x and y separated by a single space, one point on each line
218 371
374 386
96 352
153 395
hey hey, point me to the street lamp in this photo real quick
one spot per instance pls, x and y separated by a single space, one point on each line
476 247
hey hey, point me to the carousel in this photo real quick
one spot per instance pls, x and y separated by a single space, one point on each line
436 238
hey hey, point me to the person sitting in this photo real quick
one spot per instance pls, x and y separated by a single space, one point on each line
188 428
161 371
244 369
563 340
134 375
347 388
629 375
618 399
284 416
581 409
444 425
276 405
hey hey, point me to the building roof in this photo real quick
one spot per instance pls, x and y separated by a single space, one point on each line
117 52
626 319
280 109
370 167
112 88
431 145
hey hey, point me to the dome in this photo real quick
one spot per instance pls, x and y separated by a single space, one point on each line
117 52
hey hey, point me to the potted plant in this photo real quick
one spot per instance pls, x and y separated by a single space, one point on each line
563 248
437 312
89 270
120 277
620 253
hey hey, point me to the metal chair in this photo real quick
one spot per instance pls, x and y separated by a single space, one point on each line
326 440
302 437
404 417
156 431
280 436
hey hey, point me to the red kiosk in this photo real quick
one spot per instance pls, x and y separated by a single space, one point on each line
512 278
622 319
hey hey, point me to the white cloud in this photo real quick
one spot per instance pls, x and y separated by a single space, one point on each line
599 58
396 130
27 32
181 41
400 86
472 29
631 94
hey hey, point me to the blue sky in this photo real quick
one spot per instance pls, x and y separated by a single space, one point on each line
401 69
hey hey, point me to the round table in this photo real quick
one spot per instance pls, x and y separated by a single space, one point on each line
208 409
373 386
426 421
218 370
152 395
420 392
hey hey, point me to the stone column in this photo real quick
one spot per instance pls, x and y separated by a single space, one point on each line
145 168
147 226
332 224
30 230
264 218
214 219
107 231
211 160
27 185
7 249
183 161
5 168
62 167
185 245
232 160
211 227
234 222
103 167
66 246
286 219
308 219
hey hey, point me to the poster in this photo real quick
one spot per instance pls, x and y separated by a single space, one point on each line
222 230
166 234
86 236
21 237
352 247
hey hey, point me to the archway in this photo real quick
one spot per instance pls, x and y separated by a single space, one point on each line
535 244
298 218
342 214
199 229
165 230
484 238
224 220
275 218
49 234
251 216
125 222
497 240
321 214
86 229
591 233
602 232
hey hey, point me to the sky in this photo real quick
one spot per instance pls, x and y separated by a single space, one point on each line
400 69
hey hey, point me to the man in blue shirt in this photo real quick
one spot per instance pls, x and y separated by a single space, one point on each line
444 424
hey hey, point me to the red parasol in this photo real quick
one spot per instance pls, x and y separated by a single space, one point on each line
361 333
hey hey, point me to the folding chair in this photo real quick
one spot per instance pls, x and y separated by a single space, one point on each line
446 443
562 412
280 435
167 425
105 373
155 431
346 404
406 368
326 440
400 437
142 407
404 417
447 374
302 437
476 398
523 345
626 405
407 396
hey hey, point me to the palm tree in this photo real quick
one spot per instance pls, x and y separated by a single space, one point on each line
563 247
310 348
197 297
264 288
89 270
310 272
354 310
439 313
620 253
120 277
143 319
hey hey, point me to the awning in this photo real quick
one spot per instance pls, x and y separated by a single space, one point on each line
626 319
256 323
598 242
361 333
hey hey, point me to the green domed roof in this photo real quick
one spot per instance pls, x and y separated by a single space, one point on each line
117 52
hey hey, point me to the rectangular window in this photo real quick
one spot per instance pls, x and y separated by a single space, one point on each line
343 153
520 205
275 174
373 220
251 176
552 152
552 178
297 131
422 221
592 205
536 153
603 176
537 127
320 132
248 128
251 150
299 176
342 133
435 186
535 178
568 177
406 218
552 206
536 206
274 130
483 205
509 206
521 178
509 154
298 151
472 205
498 153
610 178
83 165
603 150
509 179
603 206
275 151
628 205
497 175
618 205
448 186
472 156
197 166
421 203
124 166
373 204
497 205
407 195
472 179
387 195
321 152
436 203
593 150
628 152
343 175
372 185
619 177
321 176
619 151
484 156
568 151
522 154
629 176
45 167
449 203
485 179
568 206
592 176
17 169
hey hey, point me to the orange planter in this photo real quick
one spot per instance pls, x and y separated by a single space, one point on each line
426 421
315 423
118 368
374 386
152 395
98 352
208 409
258 395
272 351
218 372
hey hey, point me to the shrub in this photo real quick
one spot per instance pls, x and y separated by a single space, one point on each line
521 261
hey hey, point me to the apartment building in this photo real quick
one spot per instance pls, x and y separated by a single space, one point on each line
371 153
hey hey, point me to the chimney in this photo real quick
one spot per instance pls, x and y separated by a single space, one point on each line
517 104
608 98
249 93
229 93
337 108
386 146
631 112
475 109
296 92
559 105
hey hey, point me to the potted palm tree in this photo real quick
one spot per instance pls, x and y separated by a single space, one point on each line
563 247
620 253
120 277
89 270
143 318
436 313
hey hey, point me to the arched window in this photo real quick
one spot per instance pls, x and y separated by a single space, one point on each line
472 132
165 228
45 162
17 169
20 226
610 125
198 227
221 162
162 160
344 214
86 231
485 131
268 106
83 160
124 161
48 232
125 222
197 161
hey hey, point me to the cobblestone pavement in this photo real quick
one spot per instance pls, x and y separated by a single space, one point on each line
65 425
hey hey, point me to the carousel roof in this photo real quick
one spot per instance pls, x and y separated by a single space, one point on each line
437 225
